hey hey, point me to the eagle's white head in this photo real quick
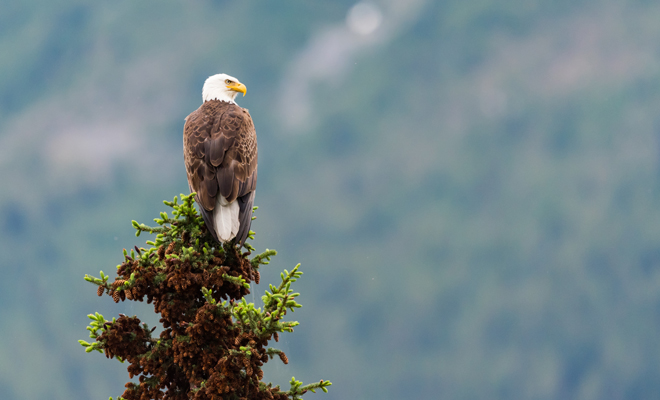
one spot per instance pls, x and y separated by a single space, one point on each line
222 87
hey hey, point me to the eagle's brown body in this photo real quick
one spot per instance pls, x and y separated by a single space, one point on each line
220 153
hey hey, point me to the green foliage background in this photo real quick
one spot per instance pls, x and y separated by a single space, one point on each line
474 195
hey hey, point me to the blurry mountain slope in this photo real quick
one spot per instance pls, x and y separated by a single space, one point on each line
502 182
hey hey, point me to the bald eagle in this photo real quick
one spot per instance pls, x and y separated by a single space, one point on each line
220 153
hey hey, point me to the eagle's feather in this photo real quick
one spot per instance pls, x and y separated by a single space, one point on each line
220 153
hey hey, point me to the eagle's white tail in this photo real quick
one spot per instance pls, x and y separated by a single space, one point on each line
225 216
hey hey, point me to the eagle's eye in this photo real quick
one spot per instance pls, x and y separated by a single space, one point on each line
227 81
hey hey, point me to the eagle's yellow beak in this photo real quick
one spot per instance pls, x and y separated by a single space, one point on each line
237 87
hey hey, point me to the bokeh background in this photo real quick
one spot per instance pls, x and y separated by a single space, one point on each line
472 187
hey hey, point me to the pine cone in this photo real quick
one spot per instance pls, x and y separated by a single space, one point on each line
161 253
118 283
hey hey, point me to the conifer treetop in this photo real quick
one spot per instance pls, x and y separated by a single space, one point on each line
213 343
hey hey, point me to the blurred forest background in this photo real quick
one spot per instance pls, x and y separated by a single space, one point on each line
472 187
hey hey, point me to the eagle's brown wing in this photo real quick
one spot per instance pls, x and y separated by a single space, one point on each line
220 153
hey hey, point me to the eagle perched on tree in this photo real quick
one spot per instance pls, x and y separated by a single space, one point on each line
220 153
